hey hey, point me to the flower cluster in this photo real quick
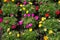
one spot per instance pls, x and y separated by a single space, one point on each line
8 22
30 19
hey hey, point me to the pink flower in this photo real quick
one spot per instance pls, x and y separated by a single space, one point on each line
1 20
11 15
29 25
13 26
25 15
28 15
21 22
33 15
36 17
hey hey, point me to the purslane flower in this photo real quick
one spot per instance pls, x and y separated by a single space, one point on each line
33 15
20 22
1 19
28 15
36 17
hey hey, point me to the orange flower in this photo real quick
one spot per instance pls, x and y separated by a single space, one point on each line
45 37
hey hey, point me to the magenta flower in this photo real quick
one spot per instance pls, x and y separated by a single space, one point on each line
1 20
36 17
24 2
21 22
25 15
28 15
13 26
27 26
33 15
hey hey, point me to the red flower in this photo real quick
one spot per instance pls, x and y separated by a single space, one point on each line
47 15
13 26
0 11
37 7
57 12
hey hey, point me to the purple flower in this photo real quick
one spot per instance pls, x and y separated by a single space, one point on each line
36 17
21 22
33 15
1 20
25 15
28 15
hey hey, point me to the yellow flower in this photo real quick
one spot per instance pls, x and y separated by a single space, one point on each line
23 33
50 31
30 2
43 18
45 37
20 10
45 29
23 8
18 35
58 2
30 29
21 5
40 25
40 22
10 33
27 12
12 0
8 29
5 0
